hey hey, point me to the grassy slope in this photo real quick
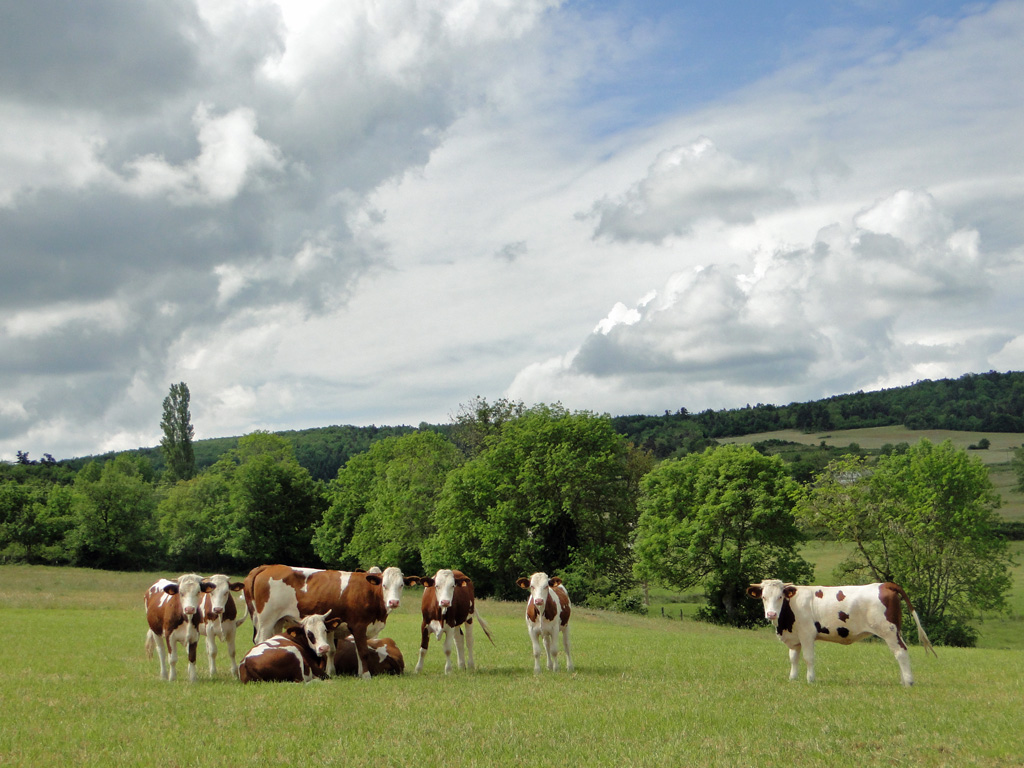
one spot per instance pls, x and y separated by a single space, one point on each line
646 692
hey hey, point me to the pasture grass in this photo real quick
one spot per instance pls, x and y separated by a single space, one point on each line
76 687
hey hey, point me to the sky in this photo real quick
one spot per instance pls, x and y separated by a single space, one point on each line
320 212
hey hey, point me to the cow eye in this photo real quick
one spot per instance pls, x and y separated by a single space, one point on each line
311 638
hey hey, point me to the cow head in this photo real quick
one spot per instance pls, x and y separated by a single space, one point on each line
772 593
313 631
391 582
188 588
223 587
538 584
444 584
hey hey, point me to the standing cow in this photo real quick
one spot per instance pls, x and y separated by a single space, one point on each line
298 654
219 618
172 612
803 615
448 605
362 601
547 614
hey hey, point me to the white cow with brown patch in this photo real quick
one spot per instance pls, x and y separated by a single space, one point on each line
172 612
297 654
803 615
547 614
219 618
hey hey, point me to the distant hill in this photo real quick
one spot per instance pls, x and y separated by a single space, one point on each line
986 402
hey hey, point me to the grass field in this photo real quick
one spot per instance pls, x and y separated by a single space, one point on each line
77 688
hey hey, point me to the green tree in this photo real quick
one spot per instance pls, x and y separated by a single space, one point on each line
551 491
113 513
719 519
178 433
381 503
34 521
195 520
926 519
478 420
274 502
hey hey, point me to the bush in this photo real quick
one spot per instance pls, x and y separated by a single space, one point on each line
948 631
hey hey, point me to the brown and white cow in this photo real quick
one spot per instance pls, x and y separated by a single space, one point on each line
298 654
448 605
385 657
172 612
219 618
803 615
547 613
362 601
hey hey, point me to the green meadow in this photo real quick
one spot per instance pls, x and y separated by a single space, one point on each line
76 688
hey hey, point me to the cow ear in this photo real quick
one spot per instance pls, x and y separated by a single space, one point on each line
374 578
333 623
412 580
462 582
295 632
236 586
523 582
754 591
789 590
171 589
555 582
207 586
427 581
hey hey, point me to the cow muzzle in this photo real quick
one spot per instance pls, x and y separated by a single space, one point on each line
771 615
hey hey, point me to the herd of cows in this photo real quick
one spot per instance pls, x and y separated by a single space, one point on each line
313 624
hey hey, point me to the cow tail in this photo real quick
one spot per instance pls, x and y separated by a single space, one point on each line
483 626
150 643
922 638
250 600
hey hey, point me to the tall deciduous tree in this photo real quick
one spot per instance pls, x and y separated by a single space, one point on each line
550 492
178 433
719 519
113 513
925 519
274 502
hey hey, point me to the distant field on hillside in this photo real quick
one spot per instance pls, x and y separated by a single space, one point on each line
997 457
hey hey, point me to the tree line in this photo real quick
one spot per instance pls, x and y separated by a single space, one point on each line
507 490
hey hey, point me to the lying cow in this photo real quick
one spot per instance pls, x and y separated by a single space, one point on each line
385 657
219 618
172 612
298 654
547 613
802 615
448 605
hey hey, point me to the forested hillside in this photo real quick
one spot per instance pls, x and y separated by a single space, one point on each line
987 402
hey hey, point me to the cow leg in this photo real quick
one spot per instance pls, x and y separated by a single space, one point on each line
551 646
566 645
172 660
809 660
535 640
794 663
192 648
448 649
161 652
362 653
424 642
460 646
211 648
229 639
899 649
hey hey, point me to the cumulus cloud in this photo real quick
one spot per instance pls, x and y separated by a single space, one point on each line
791 324
685 186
